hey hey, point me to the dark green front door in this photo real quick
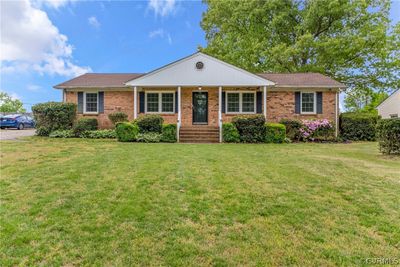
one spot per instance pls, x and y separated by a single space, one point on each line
200 107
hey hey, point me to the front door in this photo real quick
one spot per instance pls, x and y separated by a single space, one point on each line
200 107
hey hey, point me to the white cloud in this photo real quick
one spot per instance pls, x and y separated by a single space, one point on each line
169 39
33 88
162 7
56 4
94 22
30 41
161 33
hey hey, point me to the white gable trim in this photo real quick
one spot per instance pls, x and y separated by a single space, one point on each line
389 97
188 76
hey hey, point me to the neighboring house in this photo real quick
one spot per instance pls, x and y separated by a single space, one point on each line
390 107
200 92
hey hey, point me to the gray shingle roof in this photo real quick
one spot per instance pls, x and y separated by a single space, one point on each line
301 80
99 80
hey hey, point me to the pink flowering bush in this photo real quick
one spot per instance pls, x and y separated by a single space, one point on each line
312 130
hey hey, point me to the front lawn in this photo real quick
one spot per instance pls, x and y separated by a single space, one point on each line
94 202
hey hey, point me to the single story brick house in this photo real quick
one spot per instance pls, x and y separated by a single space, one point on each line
201 92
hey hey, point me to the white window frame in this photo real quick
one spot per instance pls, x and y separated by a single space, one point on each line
314 106
240 102
159 102
84 102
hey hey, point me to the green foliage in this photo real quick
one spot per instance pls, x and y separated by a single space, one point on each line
118 117
251 128
364 100
358 126
8 104
84 124
52 116
275 133
292 128
100 134
126 132
229 133
388 135
149 137
168 133
62 134
150 123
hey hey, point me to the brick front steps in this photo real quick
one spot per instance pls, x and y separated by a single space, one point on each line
199 134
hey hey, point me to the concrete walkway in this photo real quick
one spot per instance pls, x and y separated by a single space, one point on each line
14 134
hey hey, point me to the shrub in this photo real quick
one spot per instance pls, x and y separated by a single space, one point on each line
292 128
251 128
84 124
62 134
52 116
118 117
150 123
275 133
99 134
358 126
168 133
317 130
149 137
126 132
229 133
388 135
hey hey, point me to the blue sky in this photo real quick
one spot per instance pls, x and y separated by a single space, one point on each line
47 42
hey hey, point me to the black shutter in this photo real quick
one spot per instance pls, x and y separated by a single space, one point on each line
141 102
176 102
101 102
319 102
80 102
259 102
297 102
223 103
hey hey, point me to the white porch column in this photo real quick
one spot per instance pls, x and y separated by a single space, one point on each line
179 113
265 101
220 113
134 103
337 114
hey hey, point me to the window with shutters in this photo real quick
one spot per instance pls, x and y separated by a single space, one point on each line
91 102
160 102
241 102
308 102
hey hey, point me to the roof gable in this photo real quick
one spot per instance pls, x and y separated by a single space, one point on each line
214 73
392 97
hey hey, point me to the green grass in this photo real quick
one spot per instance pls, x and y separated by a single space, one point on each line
95 202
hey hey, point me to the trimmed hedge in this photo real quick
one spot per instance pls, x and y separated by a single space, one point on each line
84 124
126 132
168 133
388 135
275 133
251 128
229 133
150 123
358 126
100 134
149 137
118 117
292 128
52 116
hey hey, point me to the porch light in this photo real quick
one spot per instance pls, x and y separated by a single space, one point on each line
199 88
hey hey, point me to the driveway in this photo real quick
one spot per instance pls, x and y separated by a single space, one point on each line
14 134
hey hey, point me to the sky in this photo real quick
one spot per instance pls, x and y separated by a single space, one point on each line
44 42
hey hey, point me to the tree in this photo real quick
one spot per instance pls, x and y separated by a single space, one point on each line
351 41
364 100
8 104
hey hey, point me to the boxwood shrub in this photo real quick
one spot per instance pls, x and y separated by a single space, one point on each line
168 133
84 124
229 133
126 132
118 117
251 128
292 128
149 137
52 116
358 126
150 123
100 134
62 134
388 135
275 133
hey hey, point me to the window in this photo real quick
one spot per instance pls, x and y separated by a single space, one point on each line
157 102
91 102
393 116
308 103
240 102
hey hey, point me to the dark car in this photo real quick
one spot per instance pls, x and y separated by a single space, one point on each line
16 121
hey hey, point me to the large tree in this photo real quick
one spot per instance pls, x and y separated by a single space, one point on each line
8 104
352 41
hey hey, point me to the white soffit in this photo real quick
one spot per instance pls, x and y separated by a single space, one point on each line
185 73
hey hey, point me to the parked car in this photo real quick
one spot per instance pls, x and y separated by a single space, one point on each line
16 121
